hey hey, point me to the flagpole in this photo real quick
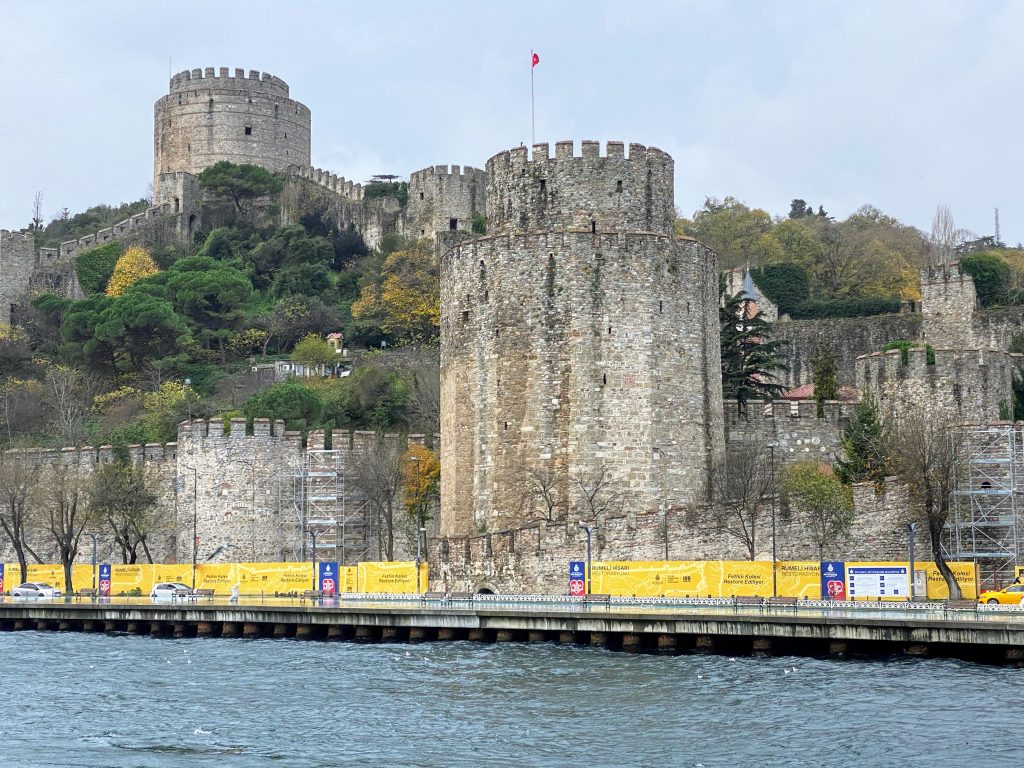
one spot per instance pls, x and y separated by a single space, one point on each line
533 133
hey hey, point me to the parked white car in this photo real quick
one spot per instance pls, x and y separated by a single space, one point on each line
35 589
167 590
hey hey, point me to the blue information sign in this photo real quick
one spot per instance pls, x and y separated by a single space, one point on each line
833 580
327 578
104 586
577 577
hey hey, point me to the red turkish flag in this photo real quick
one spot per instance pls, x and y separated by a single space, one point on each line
535 61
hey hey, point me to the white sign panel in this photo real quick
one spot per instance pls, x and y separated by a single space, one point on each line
877 581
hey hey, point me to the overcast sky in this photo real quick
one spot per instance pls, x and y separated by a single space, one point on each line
901 105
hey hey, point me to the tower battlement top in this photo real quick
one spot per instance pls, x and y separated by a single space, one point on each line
225 78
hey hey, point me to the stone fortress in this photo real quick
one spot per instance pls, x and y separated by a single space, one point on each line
579 347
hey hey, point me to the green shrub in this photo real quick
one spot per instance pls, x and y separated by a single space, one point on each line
397 189
95 266
845 308
786 285
904 346
991 277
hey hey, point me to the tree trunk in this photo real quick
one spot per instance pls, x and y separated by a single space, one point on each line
22 564
940 563
69 587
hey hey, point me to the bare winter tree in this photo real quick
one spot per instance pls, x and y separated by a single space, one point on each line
378 476
121 496
925 452
538 491
741 491
68 396
65 504
597 493
945 236
19 483
37 212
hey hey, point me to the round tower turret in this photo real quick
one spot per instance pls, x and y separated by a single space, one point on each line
579 344
208 117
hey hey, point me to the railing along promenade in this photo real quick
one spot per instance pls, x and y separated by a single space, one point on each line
991 634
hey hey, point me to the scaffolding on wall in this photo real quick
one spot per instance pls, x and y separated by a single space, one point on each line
326 504
987 505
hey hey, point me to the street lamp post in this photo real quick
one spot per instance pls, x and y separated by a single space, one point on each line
195 520
775 579
312 535
94 537
911 529
586 574
420 532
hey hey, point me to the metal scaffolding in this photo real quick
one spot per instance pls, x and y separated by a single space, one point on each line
327 505
987 504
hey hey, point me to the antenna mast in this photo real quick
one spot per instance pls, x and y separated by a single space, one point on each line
997 227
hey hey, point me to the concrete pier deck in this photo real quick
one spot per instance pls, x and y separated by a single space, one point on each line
990 635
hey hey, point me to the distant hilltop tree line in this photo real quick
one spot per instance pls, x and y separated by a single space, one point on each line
811 265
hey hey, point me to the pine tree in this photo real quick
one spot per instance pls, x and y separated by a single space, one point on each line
865 443
750 358
824 375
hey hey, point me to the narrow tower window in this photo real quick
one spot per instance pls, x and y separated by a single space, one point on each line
543 186
248 130
593 227
618 186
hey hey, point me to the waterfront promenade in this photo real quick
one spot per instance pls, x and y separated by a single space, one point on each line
810 628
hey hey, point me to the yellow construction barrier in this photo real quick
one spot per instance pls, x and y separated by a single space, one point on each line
266 579
729 578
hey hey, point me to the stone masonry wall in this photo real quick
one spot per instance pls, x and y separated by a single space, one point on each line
439 195
847 337
18 262
211 116
968 384
534 559
580 352
793 426
948 302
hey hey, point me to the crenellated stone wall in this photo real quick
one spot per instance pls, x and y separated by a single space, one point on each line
793 426
970 385
444 199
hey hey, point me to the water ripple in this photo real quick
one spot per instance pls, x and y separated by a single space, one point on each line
154 703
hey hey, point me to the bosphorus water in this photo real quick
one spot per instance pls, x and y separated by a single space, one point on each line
85 700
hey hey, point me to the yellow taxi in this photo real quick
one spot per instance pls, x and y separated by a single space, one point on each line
1011 595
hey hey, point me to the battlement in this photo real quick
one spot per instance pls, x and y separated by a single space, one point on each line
764 410
90 456
971 384
265 82
612 191
944 273
17 237
589 151
444 172
337 184
70 248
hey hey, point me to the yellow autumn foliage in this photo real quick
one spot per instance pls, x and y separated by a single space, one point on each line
133 265
407 301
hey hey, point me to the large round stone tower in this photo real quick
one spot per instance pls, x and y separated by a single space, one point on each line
579 344
209 117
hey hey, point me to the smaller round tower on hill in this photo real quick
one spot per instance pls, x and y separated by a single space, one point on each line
208 117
